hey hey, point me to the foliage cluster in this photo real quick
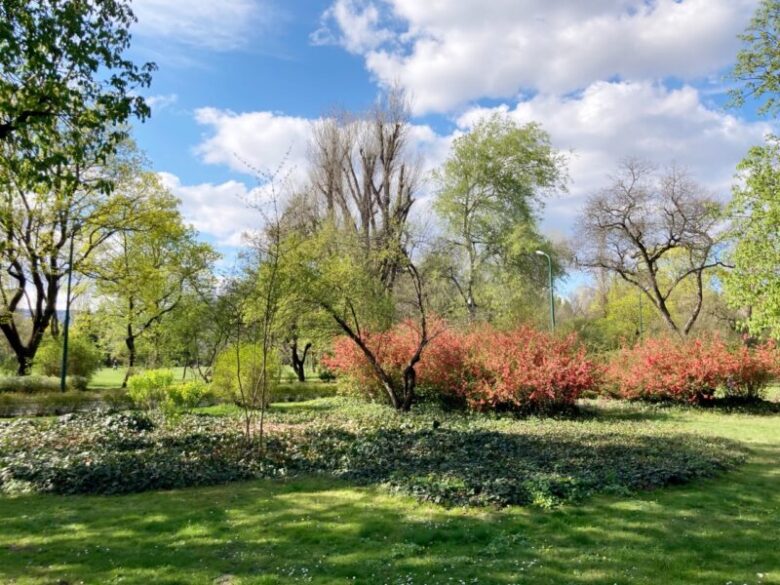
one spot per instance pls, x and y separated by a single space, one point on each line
692 370
156 390
239 375
523 370
474 460
84 358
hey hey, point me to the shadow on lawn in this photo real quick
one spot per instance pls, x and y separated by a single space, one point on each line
323 531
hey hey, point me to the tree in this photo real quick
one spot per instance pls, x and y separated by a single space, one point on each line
365 179
758 62
200 327
755 215
334 276
144 274
40 223
656 232
63 70
67 92
488 193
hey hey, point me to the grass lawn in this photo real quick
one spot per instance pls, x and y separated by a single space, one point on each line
718 531
107 378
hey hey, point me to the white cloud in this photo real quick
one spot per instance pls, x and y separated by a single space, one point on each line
267 140
260 140
357 24
447 53
160 102
611 121
218 25
219 210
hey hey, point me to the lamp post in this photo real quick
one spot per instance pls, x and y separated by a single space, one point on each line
552 290
66 328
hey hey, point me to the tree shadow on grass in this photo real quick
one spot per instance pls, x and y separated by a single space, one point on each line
322 531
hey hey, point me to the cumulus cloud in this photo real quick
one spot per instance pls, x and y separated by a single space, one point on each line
221 210
254 140
356 26
608 122
222 26
449 53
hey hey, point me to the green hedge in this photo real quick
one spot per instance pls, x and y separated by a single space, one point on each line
299 392
56 403
35 384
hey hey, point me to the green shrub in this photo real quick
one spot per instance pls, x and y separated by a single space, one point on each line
147 389
325 375
187 395
37 384
156 390
249 391
298 392
83 357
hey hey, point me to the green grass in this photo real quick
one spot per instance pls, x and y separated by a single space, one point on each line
716 531
110 378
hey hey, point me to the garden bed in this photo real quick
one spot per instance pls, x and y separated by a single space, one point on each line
448 459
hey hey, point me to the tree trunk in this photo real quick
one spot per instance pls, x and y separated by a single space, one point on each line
410 383
299 362
24 363
130 343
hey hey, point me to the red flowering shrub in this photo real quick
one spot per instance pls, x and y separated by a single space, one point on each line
522 370
691 370
526 370
439 370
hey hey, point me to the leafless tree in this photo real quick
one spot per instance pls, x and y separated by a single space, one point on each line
655 230
366 177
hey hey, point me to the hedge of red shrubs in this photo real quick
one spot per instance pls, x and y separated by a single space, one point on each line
692 370
529 370
484 369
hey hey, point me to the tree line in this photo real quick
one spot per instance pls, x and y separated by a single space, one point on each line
347 250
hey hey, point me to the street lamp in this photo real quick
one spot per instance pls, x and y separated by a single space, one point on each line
64 367
552 290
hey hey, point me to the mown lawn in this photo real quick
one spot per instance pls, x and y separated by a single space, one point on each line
718 531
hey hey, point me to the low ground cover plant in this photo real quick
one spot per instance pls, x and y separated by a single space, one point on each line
434 456
522 370
694 371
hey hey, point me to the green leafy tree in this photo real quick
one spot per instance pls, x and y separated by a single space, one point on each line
489 192
758 63
754 282
143 274
40 224
332 274
64 71
67 92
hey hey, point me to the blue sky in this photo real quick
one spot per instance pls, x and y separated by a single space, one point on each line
245 79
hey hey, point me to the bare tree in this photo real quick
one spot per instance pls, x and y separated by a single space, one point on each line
655 230
363 171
